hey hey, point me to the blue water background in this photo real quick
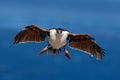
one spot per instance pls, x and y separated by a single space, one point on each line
99 18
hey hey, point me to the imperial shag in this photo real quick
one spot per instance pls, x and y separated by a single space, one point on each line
58 39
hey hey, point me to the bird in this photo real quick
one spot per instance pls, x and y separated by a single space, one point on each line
58 39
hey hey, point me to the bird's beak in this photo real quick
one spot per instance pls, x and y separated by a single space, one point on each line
44 50
67 54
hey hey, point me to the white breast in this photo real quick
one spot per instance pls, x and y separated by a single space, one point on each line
58 40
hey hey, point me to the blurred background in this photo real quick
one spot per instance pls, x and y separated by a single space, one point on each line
99 18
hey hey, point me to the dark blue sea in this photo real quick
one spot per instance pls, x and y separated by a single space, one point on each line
99 18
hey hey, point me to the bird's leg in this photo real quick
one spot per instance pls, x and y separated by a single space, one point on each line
67 53
44 49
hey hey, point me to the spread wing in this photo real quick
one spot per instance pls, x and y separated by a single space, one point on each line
85 43
31 33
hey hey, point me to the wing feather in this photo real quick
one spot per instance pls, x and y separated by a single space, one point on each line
85 43
31 33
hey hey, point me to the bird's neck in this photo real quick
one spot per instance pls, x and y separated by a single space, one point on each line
58 35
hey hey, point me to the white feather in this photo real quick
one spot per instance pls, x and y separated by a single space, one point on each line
58 40
64 36
53 34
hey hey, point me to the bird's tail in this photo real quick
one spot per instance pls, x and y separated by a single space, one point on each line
51 50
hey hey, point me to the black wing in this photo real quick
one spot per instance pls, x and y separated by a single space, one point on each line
31 33
85 43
